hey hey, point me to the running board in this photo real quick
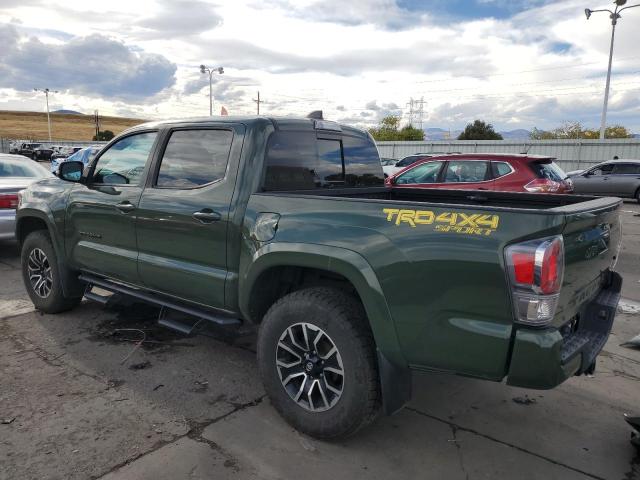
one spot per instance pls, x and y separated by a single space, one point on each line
221 318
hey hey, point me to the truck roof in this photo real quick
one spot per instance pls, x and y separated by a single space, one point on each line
280 123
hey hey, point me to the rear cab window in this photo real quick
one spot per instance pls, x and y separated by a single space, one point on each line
194 157
308 160
501 169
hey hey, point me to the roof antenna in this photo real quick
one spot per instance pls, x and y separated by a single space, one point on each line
316 115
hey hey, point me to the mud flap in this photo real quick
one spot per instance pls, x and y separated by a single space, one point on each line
395 384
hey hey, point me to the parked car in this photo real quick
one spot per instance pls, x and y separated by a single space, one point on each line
287 224
27 149
386 162
84 155
618 178
16 173
485 171
42 153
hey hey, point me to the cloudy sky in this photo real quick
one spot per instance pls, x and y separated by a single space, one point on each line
515 63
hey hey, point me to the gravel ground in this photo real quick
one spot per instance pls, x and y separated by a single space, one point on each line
78 401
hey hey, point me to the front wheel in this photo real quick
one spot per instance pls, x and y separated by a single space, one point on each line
41 274
316 355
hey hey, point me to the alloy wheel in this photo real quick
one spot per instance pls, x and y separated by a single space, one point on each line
310 367
39 271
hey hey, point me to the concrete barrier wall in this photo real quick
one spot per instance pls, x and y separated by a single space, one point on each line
571 154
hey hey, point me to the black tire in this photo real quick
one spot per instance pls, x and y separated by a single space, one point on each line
342 319
638 196
39 245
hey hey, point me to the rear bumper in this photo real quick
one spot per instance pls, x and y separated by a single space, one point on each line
542 359
7 224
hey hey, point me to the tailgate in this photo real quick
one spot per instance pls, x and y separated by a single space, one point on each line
592 236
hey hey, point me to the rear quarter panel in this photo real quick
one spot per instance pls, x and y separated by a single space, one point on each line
445 286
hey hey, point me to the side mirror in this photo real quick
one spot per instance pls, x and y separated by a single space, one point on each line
71 171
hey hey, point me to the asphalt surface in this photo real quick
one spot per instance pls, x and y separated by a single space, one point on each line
79 400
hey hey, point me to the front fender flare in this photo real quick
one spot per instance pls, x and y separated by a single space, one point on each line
70 284
395 376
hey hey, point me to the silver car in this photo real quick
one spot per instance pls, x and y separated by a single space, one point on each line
16 173
615 178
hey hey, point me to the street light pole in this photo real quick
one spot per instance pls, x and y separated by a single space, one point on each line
46 93
205 69
615 16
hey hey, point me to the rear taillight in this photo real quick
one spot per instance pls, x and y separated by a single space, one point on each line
536 270
8 201
543 185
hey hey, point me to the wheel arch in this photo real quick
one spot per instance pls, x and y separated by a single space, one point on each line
276 263
30 220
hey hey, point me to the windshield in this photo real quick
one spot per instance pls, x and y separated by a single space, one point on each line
550 171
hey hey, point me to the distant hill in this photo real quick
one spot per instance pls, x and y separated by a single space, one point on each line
68 112
64 126
440 134
518 134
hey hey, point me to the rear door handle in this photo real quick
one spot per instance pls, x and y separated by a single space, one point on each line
126 206
206 215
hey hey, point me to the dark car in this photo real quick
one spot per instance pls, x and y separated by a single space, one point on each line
42 154
485 171
619 178
27 149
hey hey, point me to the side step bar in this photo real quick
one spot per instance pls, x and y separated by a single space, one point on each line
222 318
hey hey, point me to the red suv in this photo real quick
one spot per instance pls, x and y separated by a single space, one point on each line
485 171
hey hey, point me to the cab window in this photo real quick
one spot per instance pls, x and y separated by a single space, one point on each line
123 163
467 172
424 173
194 158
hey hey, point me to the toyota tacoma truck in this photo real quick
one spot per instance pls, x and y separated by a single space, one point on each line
286 224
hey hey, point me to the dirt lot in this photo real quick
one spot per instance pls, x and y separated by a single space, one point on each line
25 125
77 401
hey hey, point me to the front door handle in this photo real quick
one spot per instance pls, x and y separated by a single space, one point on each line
206 216
126 206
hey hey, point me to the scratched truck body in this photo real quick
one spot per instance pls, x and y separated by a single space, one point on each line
286 224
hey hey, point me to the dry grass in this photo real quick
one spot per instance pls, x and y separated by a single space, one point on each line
33 125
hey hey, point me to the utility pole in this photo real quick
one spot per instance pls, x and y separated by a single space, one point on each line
614 16
46 92
258 102
96 119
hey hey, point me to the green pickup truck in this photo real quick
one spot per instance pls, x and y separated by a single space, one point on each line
286 224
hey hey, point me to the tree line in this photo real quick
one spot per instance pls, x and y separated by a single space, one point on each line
389 130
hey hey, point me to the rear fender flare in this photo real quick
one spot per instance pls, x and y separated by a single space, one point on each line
395 376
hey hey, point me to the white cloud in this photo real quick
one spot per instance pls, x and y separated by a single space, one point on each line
354 60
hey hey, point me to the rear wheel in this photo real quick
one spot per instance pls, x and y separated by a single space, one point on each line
41 274
638 196
316 355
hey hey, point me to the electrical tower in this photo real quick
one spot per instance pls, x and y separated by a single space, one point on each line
420 111
411 111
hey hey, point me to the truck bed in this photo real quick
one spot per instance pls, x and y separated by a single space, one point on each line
469 198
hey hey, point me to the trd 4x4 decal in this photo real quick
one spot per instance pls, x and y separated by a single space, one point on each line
456 222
